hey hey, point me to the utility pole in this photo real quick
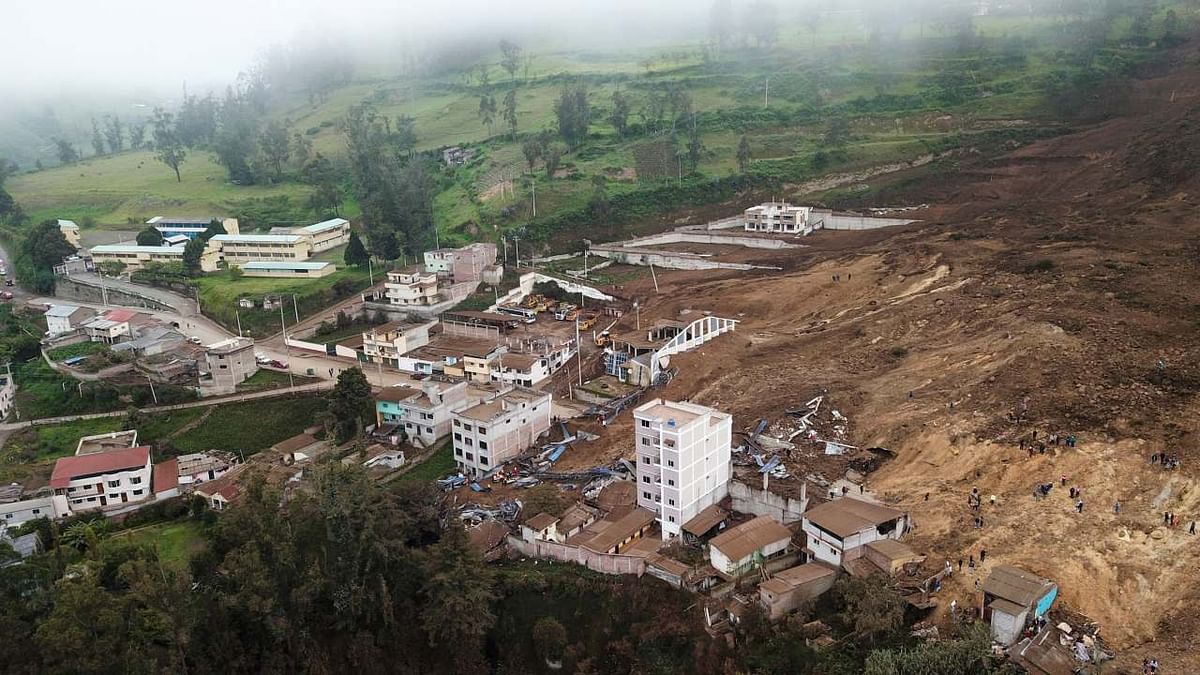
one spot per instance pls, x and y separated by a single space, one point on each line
766 91
637 310
370 271
680 158
655 277
578 352
239 321
295 308
504 243
152 389
517 254
286 351
533 185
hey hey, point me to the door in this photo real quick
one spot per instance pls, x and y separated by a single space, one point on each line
124 497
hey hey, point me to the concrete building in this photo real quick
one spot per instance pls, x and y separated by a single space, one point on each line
683 460
491 433
190 227
66 318
135 257
411 286
8 395
788 590
453 357
386 343
228 363
1012 599
238 249
15 514
837 530
424 413
201 467
102 479
461 265
326 234
737 550
298 270
111 327
70 231
778 218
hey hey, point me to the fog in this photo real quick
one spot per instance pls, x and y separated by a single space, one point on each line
139 45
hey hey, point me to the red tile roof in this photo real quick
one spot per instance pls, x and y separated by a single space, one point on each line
166 476
120 315
125 459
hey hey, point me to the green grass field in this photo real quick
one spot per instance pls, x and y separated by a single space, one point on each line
252 426
176 541
438 465
219 295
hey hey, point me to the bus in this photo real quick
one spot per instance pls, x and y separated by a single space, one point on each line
526 315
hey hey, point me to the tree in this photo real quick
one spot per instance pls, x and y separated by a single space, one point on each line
327 194
114 133
458 595
619 117
356 253
551 159
599 204
838 133
964 655
149 237
510 59
301 149
762 21
97 138
532 148
215 227
695 147
743 154
549 639
46 246
870 606
487 111
9 209
720 25
137 135
275 145
85 615
168 148
66 152
510 112
350 404
192 252
574 115
236 139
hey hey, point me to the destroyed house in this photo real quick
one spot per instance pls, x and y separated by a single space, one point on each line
836 531
739 549
1012 598
789 589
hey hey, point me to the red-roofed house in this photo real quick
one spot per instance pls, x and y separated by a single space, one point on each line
223 491
103 479
166 479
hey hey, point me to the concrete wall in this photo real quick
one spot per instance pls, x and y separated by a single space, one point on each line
851 221
677 237
76 289
605 563
747 499
667 259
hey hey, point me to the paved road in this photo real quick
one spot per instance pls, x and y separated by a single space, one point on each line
236 398
183 306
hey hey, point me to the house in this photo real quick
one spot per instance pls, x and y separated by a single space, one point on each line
326 234
153 341
541 527
490 433
683 460
238 249
219 494
24 545
488 539
176 240
115 440
70 231
111 327
890 555
410 286
201 467
779 218
613 535
294 270
1012 599
388 342
101 479
461 265
66 318
423 413
8 395
574 519
791 588
190 227
135 257
14 514
228 363
454 357
165 479
738 549
710 520
523 369
299 448
837 530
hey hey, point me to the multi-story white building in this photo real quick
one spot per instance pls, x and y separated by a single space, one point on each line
386 343
326 234
66 318
102 479
492 432
424 413
778 217
461 265
236 249
683 460
14 514
411 286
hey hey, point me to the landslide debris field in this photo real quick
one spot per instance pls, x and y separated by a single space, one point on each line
1047 284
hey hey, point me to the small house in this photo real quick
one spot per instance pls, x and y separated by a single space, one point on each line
737 550
1014 598
540 527
789 589
837 531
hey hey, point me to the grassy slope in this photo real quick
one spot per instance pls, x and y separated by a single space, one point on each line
176 541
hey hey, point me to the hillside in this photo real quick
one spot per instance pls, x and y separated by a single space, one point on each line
1045 283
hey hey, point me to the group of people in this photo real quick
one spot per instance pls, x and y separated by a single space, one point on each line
1149 666
1167 462
1035 446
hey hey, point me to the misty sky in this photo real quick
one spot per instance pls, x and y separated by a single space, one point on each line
63 44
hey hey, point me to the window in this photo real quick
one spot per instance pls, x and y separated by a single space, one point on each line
671 463
458 437
645 460
645 479
646 495
466 427
671 502
483 460
483 445
458 451
136 480
429 430
114 483
468 441
671 482
671 518
138 492
457 423
645 440
470 457
482 431
646 423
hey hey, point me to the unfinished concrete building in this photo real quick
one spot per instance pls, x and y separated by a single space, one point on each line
494 431
683 460
778 218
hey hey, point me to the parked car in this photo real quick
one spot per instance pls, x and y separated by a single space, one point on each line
282 365
6 295
8 282
195 340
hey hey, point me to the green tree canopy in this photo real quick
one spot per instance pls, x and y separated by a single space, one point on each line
351 405
149 237
356 253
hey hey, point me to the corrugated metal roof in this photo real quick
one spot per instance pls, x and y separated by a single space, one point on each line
132 248
739 542
847 515
1016 585
325 225
258 238
262 265
61 310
